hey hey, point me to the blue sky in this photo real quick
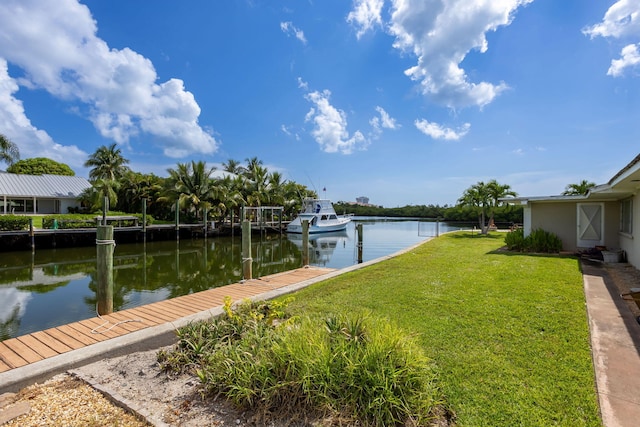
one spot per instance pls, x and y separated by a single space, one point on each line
402 101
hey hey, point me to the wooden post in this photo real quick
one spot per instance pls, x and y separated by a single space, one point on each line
104 265
438 227
246 250
305 242
359 244
204 222
31 235
144 216
177 220
105 209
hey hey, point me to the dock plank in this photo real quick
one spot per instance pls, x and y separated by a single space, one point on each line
59 334
23 350
75 335
30 348
43 350
147 319
55 344
10 357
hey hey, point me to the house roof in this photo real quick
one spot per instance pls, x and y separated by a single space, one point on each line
44 186
623 184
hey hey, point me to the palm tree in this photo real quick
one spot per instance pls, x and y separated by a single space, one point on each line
108 167
191 185
9 152
232 166
580 189
477 196
496 192
107 163
485 197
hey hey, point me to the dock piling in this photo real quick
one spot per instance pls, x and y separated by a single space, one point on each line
305 242
246 250
104 268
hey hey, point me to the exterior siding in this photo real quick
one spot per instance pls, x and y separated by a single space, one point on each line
628 243
557 218
562 220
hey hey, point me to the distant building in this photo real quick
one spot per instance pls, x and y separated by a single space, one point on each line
40 194
362 200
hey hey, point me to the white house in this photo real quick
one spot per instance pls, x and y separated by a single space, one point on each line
609 215
39 194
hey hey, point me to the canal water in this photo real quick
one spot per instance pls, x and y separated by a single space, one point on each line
53 287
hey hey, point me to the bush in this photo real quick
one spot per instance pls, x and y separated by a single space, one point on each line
69 221
13 222
350 368
537 241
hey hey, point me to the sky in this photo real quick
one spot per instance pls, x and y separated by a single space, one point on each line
406 102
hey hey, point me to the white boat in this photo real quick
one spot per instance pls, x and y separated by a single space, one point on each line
321 216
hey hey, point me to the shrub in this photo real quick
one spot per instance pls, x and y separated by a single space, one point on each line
515 240
351 368
13 222
537 241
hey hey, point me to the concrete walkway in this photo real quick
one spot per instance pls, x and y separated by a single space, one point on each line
615 346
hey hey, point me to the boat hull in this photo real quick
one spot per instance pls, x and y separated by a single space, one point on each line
314 229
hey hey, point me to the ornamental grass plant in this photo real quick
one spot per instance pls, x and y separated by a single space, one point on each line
346 368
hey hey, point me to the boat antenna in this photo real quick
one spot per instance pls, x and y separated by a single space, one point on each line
311 181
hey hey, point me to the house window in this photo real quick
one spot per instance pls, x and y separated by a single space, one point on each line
626 216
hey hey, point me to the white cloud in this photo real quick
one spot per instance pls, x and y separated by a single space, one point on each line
287 131
289 29
56 45
440 33
384 121
330 130
31 141
302 84
436 131
621 21
365 15
630 58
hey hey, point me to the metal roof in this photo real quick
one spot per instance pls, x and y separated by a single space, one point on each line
51 186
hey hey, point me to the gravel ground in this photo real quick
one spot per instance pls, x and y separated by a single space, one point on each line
66 401
84 397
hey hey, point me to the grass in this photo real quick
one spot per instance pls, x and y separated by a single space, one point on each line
508 332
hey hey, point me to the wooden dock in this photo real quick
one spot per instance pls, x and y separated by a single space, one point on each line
38 346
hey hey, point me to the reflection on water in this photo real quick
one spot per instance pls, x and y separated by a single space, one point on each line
57 286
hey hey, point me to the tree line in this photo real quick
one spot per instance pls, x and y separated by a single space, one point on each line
195 189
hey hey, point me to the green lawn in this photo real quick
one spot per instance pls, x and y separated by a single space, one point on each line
508 332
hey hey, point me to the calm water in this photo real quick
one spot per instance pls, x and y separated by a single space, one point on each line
54 287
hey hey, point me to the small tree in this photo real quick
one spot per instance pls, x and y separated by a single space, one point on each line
39 166
484 198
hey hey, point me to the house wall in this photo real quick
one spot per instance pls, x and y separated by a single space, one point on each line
65 204
46 206
557 218
562 220
612 225
630 245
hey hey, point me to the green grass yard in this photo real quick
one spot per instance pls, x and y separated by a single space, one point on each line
508 332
